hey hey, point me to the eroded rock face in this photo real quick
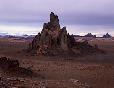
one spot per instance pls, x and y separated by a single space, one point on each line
52 37
55 40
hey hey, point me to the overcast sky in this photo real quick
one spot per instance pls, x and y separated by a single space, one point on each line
80 16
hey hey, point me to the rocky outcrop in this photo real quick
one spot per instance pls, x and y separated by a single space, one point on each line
54 40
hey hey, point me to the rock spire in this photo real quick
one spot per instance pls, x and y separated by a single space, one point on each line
54 40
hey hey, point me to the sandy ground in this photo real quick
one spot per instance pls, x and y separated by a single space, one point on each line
91 71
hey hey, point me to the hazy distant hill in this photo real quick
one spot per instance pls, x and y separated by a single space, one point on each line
19 37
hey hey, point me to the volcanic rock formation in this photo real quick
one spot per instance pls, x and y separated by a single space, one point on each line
54 40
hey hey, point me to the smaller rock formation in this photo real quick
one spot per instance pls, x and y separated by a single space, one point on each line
85 48
107 35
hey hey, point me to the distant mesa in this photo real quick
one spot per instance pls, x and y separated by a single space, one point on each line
54 40
107 35
90 35
87 35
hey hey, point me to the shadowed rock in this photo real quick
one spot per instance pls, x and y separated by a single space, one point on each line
8 65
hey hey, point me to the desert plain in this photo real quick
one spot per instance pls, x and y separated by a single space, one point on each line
89 71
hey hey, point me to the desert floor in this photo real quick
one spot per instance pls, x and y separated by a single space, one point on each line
91 71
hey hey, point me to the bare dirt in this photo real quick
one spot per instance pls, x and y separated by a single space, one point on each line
91 71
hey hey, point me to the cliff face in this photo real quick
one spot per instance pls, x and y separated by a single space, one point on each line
54 40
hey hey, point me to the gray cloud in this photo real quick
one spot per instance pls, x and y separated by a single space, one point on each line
89 19
71 12
74 11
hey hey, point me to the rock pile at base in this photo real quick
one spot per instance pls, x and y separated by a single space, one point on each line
54 40
7 64
12 66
